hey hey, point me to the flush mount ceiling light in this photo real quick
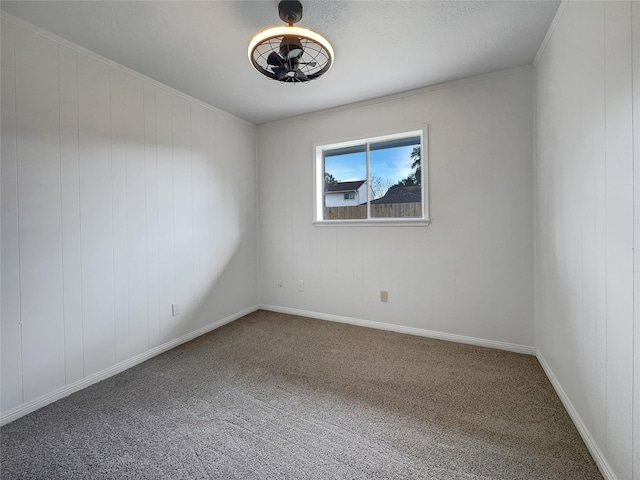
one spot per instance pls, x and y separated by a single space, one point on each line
290 54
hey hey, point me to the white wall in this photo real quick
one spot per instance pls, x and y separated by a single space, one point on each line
470 272
119 197
584 305
337 199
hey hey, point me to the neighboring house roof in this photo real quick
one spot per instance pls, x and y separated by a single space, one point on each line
344 186
401 194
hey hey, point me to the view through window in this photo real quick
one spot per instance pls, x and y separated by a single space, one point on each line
380 178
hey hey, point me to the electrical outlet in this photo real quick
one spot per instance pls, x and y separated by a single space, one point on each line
175 309
301 285
384 296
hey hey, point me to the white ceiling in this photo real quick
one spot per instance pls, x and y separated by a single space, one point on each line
381 47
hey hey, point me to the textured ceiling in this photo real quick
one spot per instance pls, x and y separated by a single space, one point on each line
382 47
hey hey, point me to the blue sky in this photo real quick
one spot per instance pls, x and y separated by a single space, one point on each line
391 163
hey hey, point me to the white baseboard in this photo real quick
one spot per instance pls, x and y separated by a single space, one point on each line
451 337
595 451
51 397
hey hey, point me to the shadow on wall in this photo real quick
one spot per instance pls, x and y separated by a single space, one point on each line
200 230
204 247
162 229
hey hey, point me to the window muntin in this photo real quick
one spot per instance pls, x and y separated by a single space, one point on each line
388 174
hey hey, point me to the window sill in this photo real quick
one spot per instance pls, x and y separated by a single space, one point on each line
400 222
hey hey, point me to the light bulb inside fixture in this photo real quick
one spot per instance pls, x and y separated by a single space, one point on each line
291 47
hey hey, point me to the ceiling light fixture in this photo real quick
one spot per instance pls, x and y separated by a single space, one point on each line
290 54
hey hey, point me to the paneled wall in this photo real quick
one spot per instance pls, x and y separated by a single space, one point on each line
120 197
584 306
470 273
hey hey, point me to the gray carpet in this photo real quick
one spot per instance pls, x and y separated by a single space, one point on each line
278 396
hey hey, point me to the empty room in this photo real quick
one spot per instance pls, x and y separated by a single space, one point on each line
320 240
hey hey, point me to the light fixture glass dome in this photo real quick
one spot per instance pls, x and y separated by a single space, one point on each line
290 54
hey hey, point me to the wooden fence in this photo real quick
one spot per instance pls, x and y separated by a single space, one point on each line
378 210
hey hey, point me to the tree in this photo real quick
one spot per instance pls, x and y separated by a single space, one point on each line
329 179
417 164
415 177
379 186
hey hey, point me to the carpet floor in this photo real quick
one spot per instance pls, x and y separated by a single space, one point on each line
279 396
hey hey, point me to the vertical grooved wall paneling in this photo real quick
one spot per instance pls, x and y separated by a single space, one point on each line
151 190
619 234
10 335
166 254
115 205
136 231
585 223
99 180
70 187
202 148
120 125
39 210
182 209
635 21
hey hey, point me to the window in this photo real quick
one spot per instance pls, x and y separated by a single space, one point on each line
372 181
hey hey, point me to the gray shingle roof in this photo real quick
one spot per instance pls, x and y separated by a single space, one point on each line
344 186
401 194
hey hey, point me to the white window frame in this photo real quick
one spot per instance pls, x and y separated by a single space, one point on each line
318 180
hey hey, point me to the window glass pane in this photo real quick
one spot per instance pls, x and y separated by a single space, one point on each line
396 178
345 185
371 179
